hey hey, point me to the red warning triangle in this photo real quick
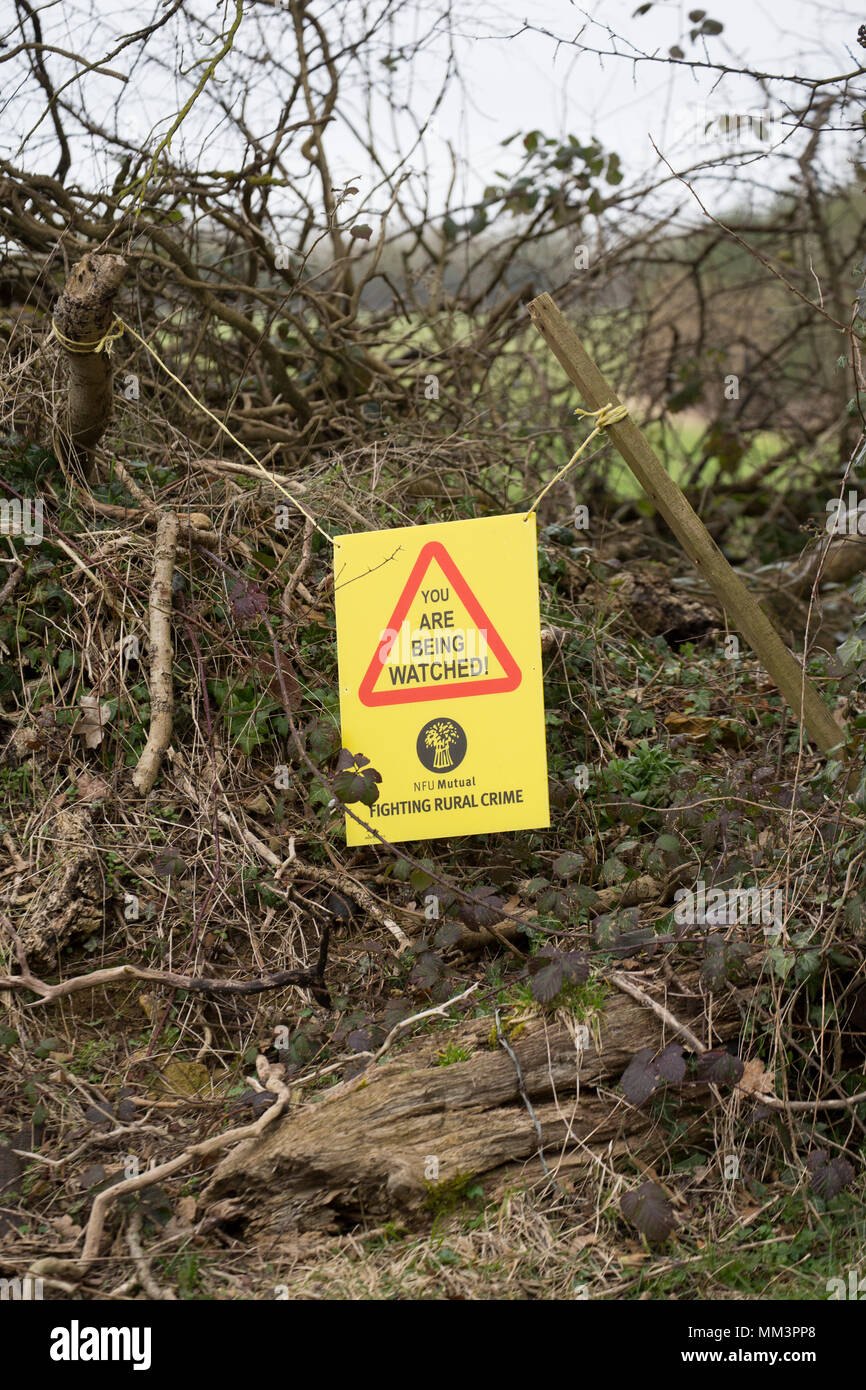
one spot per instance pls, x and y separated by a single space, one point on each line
510 680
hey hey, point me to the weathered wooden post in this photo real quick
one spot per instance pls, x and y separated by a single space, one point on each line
741 606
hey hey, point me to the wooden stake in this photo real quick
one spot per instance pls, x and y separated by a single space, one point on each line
161 656
740 605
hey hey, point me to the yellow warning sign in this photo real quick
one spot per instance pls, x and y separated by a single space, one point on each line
440 676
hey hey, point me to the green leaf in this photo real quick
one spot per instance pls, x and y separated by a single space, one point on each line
349 786
568 865
649 1211
614 173
669 843
547 980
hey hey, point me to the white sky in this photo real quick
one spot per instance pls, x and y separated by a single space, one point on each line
510 84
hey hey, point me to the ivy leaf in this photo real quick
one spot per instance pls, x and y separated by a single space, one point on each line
640 1079
829 1178
586 897
568 865
355 779
427 971
546 979
575 967
349 785
647 1071
484 913
322 741
671 1064
648 1209
720 1067
669 843
395 1011
246 603
168 864
448 934
606 930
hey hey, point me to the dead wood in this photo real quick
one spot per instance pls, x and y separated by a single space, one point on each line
83 317
69 902
161 656
365 1148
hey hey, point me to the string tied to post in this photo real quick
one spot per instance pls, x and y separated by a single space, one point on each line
606 415
111 334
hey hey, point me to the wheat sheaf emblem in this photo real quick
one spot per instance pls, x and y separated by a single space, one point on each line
440 736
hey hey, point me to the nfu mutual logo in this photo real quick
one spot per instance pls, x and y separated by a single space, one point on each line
720 907
22 516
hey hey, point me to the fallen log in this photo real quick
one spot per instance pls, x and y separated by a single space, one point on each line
390 1140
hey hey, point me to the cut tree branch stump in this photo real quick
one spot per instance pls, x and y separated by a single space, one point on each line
742 607
365 1148
83 316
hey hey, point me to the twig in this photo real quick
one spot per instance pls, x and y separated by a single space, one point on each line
524 1094
306 979
271 1074
12 583
625 984
299 570
142 1268
438 1010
